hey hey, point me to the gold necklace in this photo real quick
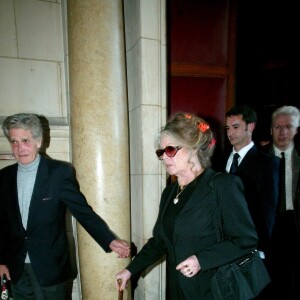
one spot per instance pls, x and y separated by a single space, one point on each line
176 199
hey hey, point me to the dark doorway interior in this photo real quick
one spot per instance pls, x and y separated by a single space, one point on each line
267 59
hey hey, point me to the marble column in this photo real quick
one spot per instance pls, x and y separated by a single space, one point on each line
99 133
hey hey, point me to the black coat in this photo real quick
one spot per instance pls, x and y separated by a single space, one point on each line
259 173
194 234
295 173
285 271
45 238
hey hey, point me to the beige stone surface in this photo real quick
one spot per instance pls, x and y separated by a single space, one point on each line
99 127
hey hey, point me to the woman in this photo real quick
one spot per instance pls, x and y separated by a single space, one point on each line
184 230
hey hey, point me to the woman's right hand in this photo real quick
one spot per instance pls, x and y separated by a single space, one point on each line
121 279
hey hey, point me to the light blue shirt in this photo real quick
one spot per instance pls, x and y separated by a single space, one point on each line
25 182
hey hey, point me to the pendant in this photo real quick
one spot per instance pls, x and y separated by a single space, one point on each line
175 201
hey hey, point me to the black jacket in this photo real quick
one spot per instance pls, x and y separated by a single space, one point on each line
295 178
259 173
194 234
45 238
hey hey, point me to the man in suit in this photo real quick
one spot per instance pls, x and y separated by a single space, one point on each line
258 171
35 193
286 240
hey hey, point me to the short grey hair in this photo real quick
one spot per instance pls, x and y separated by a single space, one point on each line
287 111
24 121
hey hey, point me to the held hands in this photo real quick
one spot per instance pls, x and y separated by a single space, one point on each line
189 267
121 279
120 247
4 269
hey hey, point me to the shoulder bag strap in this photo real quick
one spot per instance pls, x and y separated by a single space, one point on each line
216 212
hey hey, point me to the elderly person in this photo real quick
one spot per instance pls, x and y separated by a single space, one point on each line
35 193
286 233
184 230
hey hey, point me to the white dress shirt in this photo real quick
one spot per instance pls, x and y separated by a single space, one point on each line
288 175
241 153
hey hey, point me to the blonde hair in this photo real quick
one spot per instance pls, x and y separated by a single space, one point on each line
192 132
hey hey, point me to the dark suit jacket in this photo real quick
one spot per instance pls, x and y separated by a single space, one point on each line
194 234
295 164
285 271
45 239
259 172
295 176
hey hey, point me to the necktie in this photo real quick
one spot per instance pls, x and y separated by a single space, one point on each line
235 163
282 200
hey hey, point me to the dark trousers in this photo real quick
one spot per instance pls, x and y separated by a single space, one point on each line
266 293
28 288
286 258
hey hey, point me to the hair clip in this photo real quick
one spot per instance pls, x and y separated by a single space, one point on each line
188 116
203 127
212 143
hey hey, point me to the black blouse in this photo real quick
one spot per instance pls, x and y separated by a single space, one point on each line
173 210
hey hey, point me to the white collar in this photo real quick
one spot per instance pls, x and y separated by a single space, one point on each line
244 150
288 151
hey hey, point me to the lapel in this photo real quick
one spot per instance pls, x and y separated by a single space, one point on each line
203 188
169 199
271 149
295 169
165 204
14 192
13 186
248 159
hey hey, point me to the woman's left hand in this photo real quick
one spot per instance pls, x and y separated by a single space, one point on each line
189 267
120 247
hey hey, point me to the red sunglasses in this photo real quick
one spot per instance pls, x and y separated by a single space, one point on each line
169 150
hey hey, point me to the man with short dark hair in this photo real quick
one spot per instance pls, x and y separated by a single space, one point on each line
259 173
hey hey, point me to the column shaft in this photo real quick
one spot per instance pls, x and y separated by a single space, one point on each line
99 132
